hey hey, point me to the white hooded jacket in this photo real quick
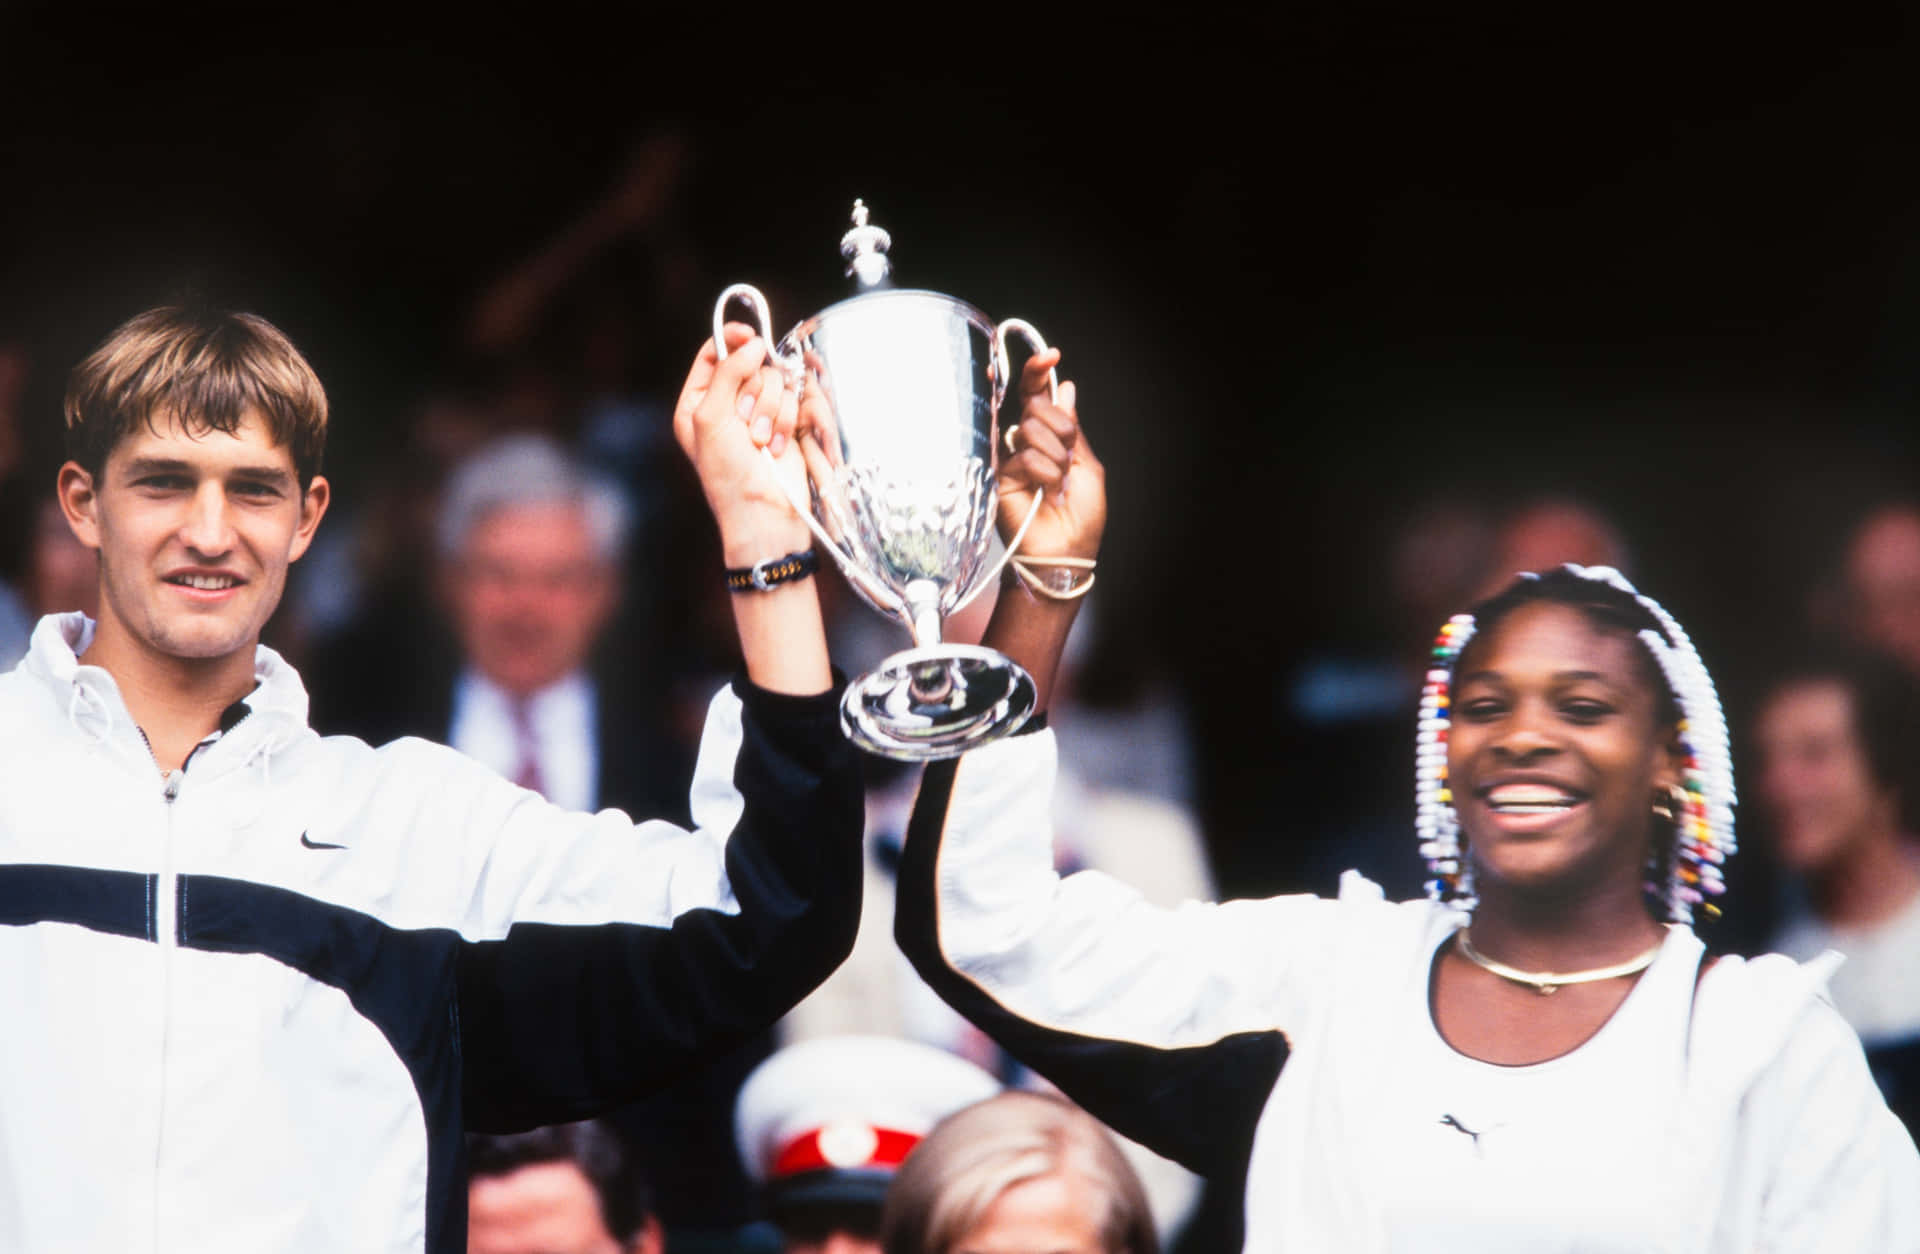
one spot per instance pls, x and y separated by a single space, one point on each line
1264 1040
254 1004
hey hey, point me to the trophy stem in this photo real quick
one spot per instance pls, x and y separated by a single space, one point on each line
923 612
930 682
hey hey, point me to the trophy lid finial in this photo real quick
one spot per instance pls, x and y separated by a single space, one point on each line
865 248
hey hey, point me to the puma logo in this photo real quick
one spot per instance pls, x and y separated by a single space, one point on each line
307 842
1449 1121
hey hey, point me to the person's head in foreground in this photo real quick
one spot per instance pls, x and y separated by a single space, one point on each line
1838 736
194 441
570 1189
1020 1173
823 1126
1572 749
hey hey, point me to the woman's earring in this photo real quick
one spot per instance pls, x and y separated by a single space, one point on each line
1670 803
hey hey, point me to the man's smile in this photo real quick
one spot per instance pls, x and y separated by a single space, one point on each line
202 584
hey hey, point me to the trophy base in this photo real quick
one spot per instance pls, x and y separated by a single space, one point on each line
938 702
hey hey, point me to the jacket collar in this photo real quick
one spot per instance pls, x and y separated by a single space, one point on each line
92 701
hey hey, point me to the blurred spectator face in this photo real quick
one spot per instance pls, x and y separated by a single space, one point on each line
543 1208
569 1189
62 573
15 367
529 595
1883 584
1435 563
856 1235
1815 780
1549 534
1056 1213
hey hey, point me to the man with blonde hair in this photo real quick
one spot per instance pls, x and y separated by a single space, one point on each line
259 981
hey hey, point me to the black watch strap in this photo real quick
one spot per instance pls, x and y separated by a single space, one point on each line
774 571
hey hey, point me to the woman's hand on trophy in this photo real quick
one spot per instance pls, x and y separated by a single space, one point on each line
1050 454
729 410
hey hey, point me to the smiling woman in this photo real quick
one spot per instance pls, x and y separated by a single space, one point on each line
1558 735
1574 701
1537 1057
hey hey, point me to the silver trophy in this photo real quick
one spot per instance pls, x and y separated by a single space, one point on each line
899 392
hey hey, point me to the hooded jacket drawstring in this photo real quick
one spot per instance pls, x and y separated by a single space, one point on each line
80 690
263 754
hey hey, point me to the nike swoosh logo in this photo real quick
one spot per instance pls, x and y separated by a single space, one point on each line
309 843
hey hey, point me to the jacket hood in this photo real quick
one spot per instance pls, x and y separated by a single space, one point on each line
277 706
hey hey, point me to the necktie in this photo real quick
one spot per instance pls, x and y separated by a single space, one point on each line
526 746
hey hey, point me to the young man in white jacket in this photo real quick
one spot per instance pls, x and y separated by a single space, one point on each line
259 982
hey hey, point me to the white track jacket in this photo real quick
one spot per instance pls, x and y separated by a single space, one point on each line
253 1006
1263 1041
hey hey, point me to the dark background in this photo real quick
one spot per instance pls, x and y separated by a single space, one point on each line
1309 273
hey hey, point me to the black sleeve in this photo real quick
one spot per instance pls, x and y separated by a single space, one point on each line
1198 1105
560 1023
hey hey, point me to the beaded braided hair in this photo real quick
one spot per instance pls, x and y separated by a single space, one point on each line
1682 876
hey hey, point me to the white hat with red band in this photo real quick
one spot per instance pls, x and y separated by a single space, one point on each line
830 1120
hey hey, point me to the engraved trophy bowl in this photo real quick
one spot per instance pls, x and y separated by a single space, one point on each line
899 394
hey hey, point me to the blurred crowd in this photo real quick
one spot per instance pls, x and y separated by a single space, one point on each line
527 574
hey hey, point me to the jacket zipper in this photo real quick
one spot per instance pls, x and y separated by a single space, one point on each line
166 925
166 936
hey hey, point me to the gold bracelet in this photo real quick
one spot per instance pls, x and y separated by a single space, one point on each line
1061 582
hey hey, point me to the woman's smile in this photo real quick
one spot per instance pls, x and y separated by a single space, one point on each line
1524 806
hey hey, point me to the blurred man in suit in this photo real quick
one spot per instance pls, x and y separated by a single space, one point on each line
530 549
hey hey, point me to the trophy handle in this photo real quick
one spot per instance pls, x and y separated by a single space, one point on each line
1031 334
763 320
1020 326
762 316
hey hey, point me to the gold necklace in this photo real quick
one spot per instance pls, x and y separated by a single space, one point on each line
1546 983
